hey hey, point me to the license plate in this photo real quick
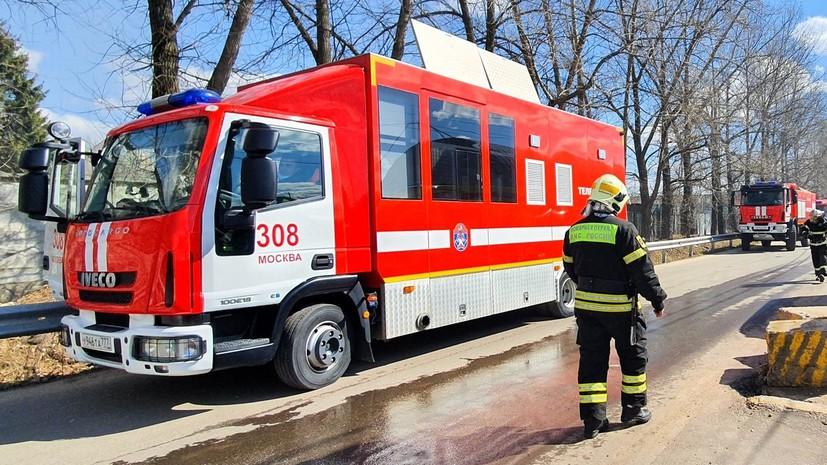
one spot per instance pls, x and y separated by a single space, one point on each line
93 342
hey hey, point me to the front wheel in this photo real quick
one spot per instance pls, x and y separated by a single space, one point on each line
315 347
791 239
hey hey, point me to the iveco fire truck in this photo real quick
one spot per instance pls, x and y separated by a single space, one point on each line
773 211
306 216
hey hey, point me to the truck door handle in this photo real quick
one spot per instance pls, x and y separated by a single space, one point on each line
322 261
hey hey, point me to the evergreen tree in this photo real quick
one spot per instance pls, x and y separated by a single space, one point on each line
20 122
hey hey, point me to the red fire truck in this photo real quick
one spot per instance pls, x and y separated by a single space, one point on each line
771 211
304 217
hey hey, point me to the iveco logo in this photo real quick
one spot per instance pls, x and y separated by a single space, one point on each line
236 300
97 279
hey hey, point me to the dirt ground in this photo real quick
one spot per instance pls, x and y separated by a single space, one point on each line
38 358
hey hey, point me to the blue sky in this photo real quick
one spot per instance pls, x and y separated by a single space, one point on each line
74 61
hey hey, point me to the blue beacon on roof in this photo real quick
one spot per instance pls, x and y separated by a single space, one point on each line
178 100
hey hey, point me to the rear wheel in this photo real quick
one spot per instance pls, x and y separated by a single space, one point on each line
791 239
766 244
563 307
745 240
315 347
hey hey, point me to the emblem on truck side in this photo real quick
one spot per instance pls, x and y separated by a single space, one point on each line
460 237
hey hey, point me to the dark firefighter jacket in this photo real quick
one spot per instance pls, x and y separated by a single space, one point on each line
816 231
606 258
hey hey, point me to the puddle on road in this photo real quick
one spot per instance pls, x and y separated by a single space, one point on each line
478 414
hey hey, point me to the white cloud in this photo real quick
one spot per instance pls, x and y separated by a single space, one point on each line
91 131
813 31
35 58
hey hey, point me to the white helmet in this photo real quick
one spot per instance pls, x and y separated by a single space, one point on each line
814 214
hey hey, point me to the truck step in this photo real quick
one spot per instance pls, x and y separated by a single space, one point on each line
240 344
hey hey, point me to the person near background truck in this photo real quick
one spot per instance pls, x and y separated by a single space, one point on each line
607 259
816 229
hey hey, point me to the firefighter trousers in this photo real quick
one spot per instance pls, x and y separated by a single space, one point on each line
595 330
819 253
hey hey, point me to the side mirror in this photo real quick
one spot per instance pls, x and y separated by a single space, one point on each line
259 182
260 140
33 193
34 159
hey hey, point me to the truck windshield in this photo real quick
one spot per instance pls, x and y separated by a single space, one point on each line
760 197
146 172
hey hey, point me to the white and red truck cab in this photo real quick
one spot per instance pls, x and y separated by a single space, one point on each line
304 217
773 211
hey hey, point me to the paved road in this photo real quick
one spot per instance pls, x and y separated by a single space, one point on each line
486 392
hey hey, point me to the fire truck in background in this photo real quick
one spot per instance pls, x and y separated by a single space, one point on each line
773 211
304 217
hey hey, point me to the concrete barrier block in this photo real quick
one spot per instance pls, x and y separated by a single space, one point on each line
801 313
797 353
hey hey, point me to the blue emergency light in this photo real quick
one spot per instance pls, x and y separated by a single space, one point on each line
178 100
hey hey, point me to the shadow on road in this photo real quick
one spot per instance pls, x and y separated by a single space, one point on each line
122 402
756 325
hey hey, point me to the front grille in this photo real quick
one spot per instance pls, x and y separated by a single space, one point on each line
112 319
106 297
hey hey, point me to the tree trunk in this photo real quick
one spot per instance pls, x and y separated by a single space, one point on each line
490 24
324 52
401 30
165 53
467 21
221 73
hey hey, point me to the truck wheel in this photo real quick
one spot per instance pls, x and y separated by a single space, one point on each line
563 307
745 240
766 244
791 240
315 347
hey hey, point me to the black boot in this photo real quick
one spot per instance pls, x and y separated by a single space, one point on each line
635 415
591 428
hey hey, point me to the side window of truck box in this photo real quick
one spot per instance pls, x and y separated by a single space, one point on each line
399 144
456 158
503 167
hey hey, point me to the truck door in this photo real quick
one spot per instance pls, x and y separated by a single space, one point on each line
67 189
460 284
291 241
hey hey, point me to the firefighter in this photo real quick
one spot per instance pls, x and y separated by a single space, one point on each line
815 228
606 257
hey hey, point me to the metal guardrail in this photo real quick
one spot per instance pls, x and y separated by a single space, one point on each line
677 243
27 320
30 319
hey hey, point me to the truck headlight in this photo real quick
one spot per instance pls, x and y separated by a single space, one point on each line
168 349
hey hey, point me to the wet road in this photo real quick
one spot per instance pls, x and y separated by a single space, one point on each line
425 403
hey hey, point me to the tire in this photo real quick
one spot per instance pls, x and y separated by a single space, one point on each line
791 239
315 347
745 242
805 241
563 307
766 244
